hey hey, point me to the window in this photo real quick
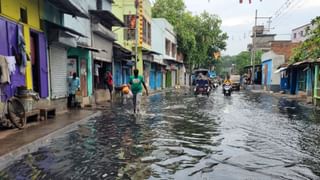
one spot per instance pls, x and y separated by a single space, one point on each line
174 50
295 35
149 33
129 32
99 4
23 15
168 44
145 30
301 33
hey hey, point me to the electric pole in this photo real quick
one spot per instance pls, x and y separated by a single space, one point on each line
253 51
254 42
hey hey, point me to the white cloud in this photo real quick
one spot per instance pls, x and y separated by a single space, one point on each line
237 21
311 4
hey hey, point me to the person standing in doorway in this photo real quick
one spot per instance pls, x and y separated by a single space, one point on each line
109 83
74 85
136 82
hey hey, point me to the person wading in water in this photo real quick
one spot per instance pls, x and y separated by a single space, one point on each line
136 82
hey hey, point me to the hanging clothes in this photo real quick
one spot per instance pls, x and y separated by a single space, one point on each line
11 60
22 51
5 76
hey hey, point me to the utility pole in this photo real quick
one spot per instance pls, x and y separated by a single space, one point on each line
254 42
253 51
136 33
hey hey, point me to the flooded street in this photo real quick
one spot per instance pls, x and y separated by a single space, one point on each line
178 136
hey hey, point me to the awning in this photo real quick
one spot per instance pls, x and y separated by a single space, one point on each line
120 52
172 60
281 69
148 51
52 25
89 48
106 18
119 47
69 7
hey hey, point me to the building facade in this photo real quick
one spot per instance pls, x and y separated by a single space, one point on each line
23 39
301 33
140 44
165 42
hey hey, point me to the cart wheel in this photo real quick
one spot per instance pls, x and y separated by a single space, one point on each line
16 112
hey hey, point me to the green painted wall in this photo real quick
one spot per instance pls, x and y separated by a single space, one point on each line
168 79
84 54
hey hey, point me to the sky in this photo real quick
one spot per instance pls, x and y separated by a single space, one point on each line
238 19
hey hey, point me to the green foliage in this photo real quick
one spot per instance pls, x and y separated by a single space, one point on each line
309 49
240 61
197 35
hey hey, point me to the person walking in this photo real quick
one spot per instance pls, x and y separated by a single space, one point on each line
109 80
136 82
74 85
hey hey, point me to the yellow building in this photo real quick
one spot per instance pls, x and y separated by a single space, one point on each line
25 16
126 11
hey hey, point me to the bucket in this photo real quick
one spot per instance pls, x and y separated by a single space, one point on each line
27 102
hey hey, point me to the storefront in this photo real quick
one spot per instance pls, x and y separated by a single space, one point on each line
60 39
123 64
102 60
81 59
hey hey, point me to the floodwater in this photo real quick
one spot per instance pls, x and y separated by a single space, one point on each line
179 136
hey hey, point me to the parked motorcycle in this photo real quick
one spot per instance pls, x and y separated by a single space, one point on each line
227 88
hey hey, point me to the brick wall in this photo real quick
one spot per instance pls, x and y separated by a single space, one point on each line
283 48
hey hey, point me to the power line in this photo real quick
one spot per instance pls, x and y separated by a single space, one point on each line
288 6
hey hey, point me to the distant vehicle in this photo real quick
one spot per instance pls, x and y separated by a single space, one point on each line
201 81
227 88
202 87
197 72
235 82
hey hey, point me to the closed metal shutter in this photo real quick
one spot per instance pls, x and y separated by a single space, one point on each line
58 65
103 44
174 76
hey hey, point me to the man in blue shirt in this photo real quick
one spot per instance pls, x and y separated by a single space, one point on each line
74 85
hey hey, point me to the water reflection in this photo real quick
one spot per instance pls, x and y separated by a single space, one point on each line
178 136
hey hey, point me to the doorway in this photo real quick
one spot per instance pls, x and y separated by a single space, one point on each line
35 61
83 77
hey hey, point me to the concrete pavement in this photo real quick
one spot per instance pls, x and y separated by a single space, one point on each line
16 143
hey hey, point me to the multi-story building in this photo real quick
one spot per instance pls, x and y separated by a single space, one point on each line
301 33
164 41
262 39
140 43
59 40
22 38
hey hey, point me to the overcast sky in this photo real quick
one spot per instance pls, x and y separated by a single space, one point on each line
238 19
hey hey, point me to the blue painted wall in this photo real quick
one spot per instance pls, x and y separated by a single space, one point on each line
269 70
117 74
152 78
159 79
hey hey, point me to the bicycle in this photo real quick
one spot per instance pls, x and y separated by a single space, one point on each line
13 114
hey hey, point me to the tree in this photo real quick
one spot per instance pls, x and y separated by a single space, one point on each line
240 61
309 49
196 35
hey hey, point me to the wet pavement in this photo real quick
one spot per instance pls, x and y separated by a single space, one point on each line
177 136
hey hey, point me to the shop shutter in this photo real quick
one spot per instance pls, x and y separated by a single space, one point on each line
159 79
103 44
58 64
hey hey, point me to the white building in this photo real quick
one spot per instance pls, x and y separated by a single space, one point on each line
164 41
301 33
